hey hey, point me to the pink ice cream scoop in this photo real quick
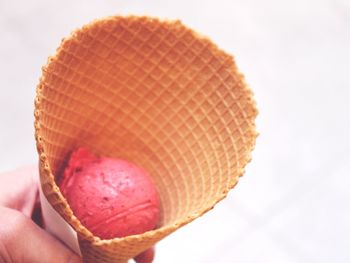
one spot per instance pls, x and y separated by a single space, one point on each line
111 197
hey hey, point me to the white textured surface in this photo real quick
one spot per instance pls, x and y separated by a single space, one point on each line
292 205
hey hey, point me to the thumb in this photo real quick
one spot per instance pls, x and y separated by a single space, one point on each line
146 256
21 240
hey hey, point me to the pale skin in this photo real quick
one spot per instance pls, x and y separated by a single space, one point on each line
21 238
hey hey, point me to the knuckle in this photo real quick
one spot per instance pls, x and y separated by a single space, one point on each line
18 223
14 224
10 221
5 256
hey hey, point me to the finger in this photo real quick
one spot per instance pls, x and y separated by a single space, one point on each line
19 189
21 240
146 256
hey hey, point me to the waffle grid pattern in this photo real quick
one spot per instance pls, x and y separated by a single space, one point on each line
153 92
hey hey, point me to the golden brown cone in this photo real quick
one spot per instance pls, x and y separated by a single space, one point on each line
155 93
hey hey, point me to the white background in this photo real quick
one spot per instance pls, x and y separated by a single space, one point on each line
293 204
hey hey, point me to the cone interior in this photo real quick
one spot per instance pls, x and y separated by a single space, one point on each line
154 93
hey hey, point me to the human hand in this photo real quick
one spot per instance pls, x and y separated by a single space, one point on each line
146 256
21 239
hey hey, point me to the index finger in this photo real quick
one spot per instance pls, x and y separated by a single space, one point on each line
19 189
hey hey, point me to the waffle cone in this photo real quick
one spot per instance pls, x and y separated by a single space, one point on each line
157 94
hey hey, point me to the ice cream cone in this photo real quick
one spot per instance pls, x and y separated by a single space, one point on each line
155 93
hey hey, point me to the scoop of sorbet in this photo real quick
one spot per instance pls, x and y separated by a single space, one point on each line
110 197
